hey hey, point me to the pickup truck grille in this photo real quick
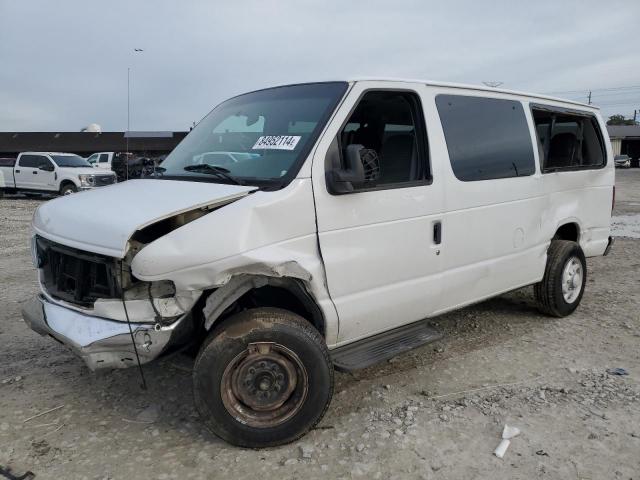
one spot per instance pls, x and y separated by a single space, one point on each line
76 276
102 180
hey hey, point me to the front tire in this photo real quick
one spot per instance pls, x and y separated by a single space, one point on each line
68 189
561 289
263 378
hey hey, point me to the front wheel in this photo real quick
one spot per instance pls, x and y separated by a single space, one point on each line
561 289
263 378
68 189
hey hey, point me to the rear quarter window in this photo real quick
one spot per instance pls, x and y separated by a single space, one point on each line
487 138
7 162
568 140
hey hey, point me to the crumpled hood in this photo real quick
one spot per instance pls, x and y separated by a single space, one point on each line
104 219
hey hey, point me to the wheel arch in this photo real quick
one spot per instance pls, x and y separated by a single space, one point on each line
67 181
568 230
262 291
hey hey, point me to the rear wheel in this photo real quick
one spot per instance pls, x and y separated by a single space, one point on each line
561 289
263 378
68 189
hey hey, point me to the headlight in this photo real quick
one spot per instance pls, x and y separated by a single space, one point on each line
87 180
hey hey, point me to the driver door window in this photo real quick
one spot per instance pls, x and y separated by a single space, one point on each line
390 127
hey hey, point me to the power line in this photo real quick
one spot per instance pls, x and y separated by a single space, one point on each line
586 90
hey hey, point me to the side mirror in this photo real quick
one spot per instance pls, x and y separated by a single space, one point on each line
344 179
46 168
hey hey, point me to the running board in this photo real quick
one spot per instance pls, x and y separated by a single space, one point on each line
381 347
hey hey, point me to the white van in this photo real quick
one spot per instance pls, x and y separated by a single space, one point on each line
354 211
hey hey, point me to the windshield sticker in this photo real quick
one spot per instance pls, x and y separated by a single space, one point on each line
277 142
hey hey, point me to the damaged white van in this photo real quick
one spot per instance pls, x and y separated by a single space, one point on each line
306 227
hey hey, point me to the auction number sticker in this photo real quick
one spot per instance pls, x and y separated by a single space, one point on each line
277 142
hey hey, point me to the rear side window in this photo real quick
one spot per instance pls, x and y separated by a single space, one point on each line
568 141
7 162
487 138
34 161
104 158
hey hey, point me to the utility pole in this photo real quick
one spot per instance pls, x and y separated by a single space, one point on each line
635 113
126 158
137 50
589 97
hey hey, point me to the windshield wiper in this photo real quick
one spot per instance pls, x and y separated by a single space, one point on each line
213 170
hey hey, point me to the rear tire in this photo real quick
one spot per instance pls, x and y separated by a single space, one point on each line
263 378
68 189
561 289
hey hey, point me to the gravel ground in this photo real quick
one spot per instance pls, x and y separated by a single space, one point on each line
436 412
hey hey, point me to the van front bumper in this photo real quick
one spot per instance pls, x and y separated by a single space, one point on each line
100 342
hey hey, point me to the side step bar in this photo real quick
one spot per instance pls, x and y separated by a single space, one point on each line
381 347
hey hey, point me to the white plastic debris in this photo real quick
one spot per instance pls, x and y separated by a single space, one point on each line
501 449
510 432
507 434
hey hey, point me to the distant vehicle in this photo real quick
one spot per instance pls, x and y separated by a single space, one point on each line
101 160
126 166
221 159
622 161
50 172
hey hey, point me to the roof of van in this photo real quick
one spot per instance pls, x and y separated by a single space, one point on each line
481 88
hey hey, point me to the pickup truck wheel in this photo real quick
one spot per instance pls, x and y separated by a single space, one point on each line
561 289
68 189
263 378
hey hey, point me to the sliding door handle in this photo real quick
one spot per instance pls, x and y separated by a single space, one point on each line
437 232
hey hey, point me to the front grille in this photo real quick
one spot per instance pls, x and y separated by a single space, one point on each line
102 180
76 276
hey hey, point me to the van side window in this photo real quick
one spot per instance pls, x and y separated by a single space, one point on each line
487 138
568 141
390 126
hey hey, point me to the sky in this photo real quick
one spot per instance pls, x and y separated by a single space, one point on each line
63 64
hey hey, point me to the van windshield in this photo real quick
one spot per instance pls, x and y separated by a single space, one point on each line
259 138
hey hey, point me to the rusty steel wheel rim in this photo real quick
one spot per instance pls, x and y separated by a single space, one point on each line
264 385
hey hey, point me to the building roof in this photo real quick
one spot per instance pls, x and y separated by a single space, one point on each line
623 131
87 142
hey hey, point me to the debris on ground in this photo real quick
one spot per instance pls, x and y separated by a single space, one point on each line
7 472
617 371
507 434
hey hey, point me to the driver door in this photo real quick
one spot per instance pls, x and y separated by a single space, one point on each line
381 257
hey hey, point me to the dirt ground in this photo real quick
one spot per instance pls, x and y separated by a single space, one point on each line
434 413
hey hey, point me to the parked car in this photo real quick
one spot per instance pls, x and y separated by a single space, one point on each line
622 161
362 209
50 172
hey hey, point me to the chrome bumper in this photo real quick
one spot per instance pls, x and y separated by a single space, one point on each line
101 343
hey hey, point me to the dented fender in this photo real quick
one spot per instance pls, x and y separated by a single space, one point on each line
263 235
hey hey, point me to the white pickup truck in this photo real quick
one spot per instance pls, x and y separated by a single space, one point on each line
47 172
101 160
